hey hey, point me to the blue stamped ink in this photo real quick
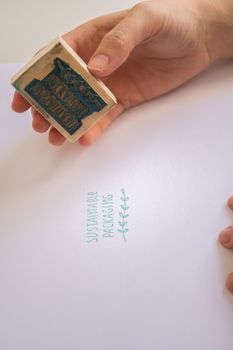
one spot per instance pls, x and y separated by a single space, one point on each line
123 215
101 221
92 225
66 96
108 215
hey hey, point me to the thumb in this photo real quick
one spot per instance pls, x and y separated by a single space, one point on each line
117 44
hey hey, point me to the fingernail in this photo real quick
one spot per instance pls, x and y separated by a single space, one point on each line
225 235
98 62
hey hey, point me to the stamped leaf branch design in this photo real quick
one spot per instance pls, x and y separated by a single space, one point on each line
123 229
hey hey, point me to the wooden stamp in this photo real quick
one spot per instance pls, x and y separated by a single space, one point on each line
58 84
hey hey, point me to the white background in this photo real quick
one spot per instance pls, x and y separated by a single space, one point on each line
164 288
27 25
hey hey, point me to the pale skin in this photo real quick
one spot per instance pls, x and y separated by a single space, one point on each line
144 52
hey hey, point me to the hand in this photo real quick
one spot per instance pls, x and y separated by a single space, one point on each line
140 53
226 239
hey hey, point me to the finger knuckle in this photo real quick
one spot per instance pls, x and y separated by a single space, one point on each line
144 7
118 37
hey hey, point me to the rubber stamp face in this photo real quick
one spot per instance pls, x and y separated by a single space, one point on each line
58 84
66 96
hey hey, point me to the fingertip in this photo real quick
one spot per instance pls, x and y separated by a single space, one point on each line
98 74
93 134
230 202
55 137
229 282
14 102
19 104
226 237
39 123
89 138
98 65
223 236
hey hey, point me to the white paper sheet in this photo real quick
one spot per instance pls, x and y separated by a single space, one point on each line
162 287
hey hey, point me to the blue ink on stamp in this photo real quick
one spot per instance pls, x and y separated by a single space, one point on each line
65 96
